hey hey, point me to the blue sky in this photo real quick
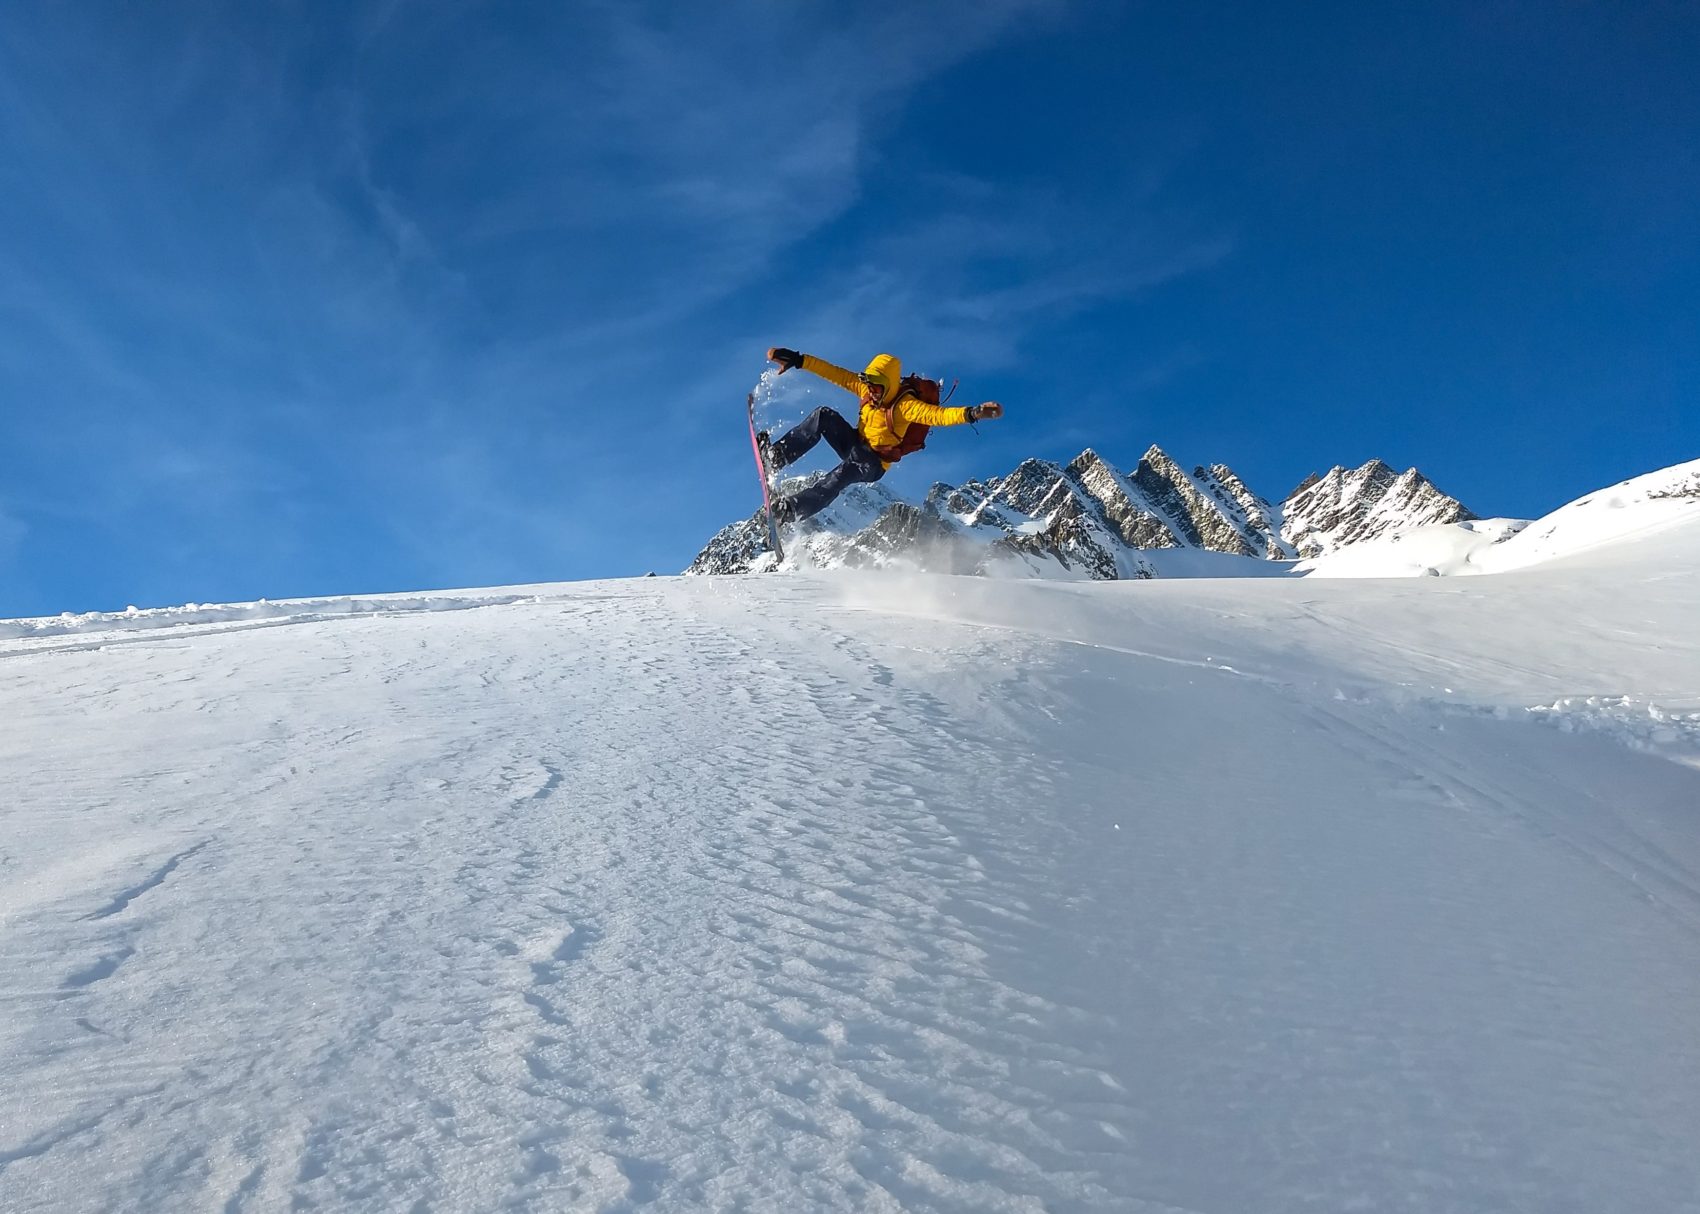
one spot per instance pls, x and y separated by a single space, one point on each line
335 298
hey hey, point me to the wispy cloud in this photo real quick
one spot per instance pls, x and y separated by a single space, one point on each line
973 281
463 280
650 160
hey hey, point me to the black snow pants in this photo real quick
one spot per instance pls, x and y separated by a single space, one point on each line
860 463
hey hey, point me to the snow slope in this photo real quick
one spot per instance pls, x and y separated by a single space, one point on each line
863 893
1642 505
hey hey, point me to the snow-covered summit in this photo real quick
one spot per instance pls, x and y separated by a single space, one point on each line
1639 506
1345 507
1088 519
1602 520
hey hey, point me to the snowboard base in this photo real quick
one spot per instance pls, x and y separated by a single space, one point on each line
766 475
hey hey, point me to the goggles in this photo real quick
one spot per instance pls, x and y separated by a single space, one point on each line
871 381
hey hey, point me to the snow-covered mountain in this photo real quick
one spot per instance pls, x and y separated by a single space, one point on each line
1327 513
871 891
1639 506
1088 519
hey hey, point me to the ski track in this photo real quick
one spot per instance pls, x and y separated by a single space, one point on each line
701 896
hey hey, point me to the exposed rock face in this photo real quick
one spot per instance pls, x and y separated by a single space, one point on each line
734 548
1688 486
1126 514
1326 513
1198 516
1088 520
906 532
1257 521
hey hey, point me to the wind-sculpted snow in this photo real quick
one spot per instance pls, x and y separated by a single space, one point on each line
864 892
135 620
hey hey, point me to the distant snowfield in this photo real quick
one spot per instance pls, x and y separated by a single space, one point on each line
863 893
1642 506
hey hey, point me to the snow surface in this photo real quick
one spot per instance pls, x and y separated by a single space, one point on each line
1432 550
1643 505
863 893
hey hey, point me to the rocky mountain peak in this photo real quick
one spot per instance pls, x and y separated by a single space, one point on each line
1088 461
1349 506
1089 519
1308 481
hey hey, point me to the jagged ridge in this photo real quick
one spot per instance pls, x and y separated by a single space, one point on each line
1088 519
1327 513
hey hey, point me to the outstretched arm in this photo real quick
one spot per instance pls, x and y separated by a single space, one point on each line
788 359
941 415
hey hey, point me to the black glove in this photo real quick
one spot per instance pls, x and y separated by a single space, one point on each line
787 359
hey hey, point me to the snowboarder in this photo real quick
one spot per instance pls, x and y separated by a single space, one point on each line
893 422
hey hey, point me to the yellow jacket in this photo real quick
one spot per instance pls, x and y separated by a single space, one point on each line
880 429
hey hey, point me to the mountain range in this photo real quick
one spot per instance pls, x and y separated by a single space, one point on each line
1089 519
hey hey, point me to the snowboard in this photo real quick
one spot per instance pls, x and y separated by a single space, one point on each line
766 475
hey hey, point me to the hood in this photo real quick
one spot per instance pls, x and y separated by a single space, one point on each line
888 371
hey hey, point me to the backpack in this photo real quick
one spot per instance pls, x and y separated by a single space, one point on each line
915 437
